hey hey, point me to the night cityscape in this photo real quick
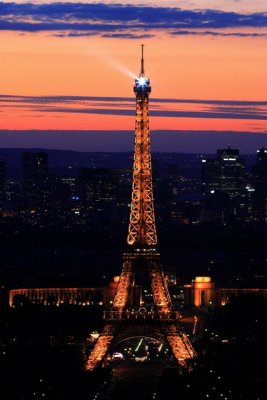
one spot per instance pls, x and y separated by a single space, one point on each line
133 230
62 221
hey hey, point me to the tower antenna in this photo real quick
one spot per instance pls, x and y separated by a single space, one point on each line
142 73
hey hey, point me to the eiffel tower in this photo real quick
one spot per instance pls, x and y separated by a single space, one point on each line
160 322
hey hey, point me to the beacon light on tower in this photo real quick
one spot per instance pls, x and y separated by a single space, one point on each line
142 83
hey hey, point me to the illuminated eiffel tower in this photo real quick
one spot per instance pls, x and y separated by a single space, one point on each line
123 321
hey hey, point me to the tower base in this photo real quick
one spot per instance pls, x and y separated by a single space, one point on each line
163 327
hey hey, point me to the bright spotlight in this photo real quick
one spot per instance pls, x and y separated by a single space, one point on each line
142 81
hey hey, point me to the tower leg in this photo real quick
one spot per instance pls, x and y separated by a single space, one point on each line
160 291
179 343
101 346
124 286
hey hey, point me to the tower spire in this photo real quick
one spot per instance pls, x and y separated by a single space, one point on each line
142 73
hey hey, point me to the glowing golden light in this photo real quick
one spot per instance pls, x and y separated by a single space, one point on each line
142 236
202 279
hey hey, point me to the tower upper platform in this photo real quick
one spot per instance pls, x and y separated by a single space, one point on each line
142 86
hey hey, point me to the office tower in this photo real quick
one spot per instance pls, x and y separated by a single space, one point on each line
35 185
98 194
224 185
259 184
2 182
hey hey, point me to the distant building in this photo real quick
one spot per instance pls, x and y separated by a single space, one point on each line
66 201
224 174
224 186
70 296
203 293
34 167
58 296
35 187
259 182
98 194
166 181
2 182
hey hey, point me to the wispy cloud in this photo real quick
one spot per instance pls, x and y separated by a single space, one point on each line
169 108
220 33
124 21
56 99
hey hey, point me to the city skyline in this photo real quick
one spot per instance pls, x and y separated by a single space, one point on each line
70 66
90 313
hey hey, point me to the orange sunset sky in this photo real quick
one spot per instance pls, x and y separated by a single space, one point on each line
72 67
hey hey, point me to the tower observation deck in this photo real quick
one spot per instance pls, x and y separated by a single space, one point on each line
161 322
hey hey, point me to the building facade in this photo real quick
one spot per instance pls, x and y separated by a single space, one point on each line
224 186
70 296
202 293
259 183
2 182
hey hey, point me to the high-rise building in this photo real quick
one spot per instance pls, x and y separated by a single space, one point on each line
34 166
65 204
166 181
259 183
35 187
2 182
224 185
225 173
98 194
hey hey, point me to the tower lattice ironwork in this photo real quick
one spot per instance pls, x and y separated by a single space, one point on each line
162 321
